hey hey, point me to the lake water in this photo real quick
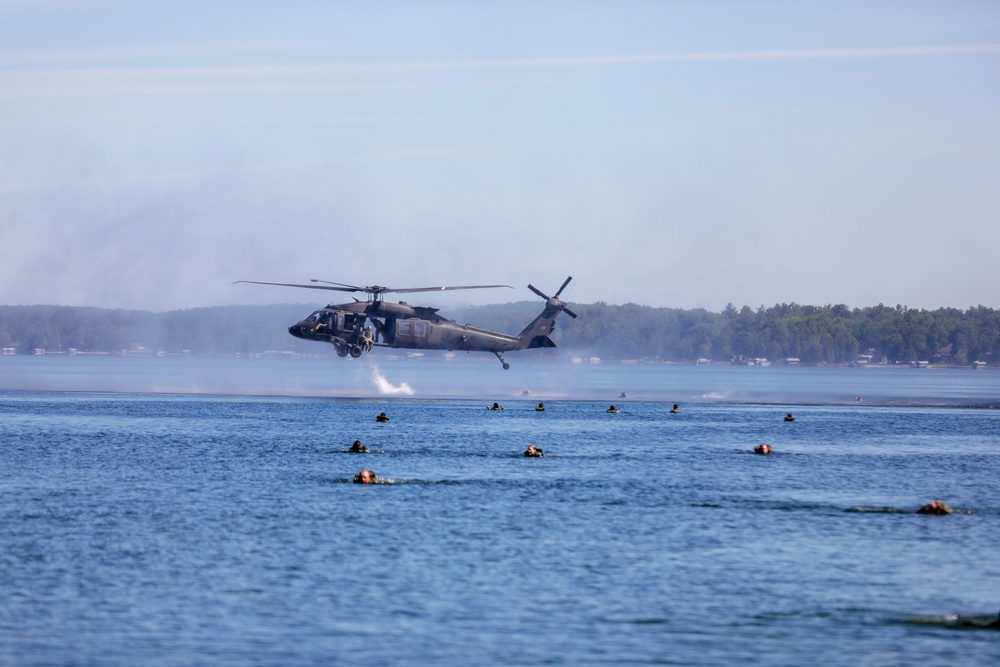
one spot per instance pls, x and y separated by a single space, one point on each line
182 511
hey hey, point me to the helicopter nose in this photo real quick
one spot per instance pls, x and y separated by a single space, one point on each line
298 329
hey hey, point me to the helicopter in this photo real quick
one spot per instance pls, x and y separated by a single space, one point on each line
400 325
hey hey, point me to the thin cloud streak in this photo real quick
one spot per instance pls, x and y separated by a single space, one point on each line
228 80
811 54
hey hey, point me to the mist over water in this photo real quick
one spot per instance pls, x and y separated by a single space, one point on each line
480 377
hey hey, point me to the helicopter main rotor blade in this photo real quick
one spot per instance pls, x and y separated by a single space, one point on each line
372 289
327 282
569 312
326 287
442 288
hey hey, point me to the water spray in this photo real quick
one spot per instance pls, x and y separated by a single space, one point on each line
386 388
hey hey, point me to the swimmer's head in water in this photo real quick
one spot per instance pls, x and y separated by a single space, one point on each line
365 477
935 507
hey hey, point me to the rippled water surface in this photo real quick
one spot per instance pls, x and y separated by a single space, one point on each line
188 529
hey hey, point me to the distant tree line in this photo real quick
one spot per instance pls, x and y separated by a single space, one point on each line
813 334
225 329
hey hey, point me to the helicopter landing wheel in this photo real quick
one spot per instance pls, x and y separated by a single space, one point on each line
355 351
506 366
341 350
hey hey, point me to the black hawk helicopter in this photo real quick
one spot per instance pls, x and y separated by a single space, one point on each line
401 325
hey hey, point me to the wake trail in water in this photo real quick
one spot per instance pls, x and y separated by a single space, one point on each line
386 388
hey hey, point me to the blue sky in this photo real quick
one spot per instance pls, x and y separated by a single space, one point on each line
682 154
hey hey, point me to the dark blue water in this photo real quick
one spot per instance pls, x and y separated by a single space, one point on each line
179 529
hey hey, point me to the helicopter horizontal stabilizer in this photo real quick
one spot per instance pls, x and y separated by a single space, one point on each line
540 341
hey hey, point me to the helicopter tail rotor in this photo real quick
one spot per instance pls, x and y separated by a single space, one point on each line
554 300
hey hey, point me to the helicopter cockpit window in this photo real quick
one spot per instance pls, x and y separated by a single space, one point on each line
314 318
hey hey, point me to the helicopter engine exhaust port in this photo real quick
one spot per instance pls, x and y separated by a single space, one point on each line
355 351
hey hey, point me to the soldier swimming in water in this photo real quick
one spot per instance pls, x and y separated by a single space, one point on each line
366 477
936 507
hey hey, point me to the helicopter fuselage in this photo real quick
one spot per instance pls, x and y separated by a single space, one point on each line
354 328
400 325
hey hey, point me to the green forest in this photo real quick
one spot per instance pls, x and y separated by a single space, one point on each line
811 334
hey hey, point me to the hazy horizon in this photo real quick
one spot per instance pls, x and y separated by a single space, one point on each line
669 154
310 306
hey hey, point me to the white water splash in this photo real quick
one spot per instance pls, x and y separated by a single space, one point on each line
386 388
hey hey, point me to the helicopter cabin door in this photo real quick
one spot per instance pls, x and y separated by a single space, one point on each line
340 327
351 326
411 333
